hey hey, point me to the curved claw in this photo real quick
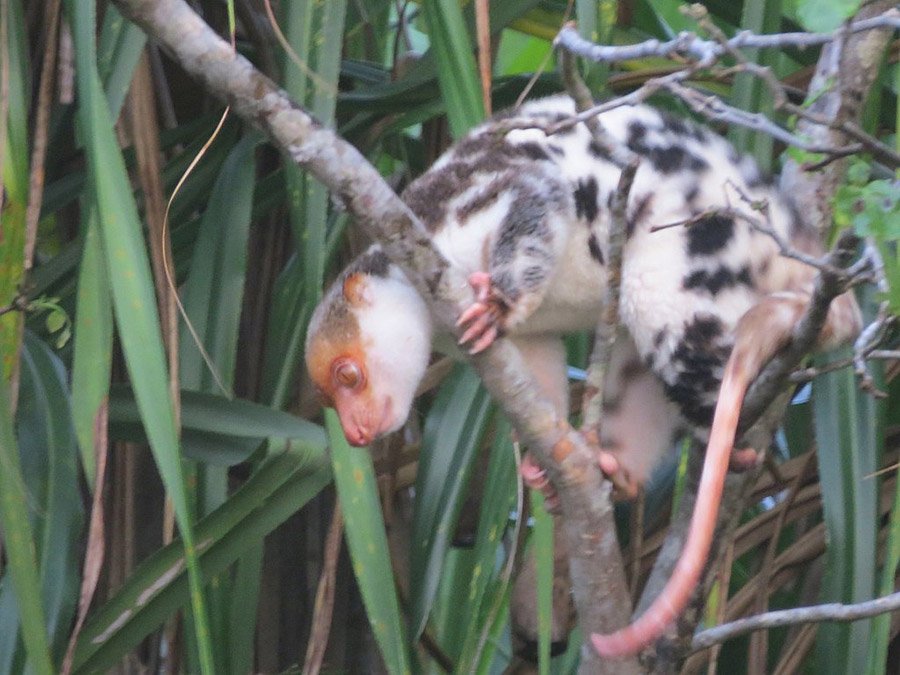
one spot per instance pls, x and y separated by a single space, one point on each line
533 475
474 311
536 478
483 317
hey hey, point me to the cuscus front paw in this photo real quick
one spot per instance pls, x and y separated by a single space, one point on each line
624 487
536 478
483 319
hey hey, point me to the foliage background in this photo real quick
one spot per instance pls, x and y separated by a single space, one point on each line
94 334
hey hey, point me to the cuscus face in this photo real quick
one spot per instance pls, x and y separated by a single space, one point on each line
367 349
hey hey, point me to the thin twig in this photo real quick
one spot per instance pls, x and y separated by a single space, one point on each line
789 617
690 46
828 285
483 31
41 123
95 549
324 603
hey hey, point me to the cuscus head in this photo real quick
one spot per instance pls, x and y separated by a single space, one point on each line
368 346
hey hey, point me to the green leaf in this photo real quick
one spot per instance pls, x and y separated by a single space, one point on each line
285 481
825 15
497 501
455 62
18 541
750 92
47 444
848 430
133 295
315 31
215 429
120 48
453 433
357 488
92 360
214 292
543 552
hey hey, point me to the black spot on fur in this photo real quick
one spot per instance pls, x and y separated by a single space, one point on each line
668 160
486 196
599 151
702 330
691 194
585 195
709 235
665 159
680 127
637 138
595 250
524 233
427 196
717 280
373 262
692 403
556 150
533 151
533 276
659 337
698 358
695 163
507 286
638 213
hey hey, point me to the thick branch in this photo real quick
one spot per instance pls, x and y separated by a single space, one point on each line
596 567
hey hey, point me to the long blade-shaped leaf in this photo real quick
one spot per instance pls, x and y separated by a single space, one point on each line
314 31
281 485
357 488
133 296
92 361
215 288
48 445
848 425
496 503
453 432
18 539
457 72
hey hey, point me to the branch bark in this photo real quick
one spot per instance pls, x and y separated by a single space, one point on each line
596 566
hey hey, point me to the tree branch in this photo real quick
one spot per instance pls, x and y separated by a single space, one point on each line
788 617
690 46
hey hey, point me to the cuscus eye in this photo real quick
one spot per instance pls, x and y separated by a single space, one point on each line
348 374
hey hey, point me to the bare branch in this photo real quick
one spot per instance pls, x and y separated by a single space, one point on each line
789 617
690 46
608 322
715 109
